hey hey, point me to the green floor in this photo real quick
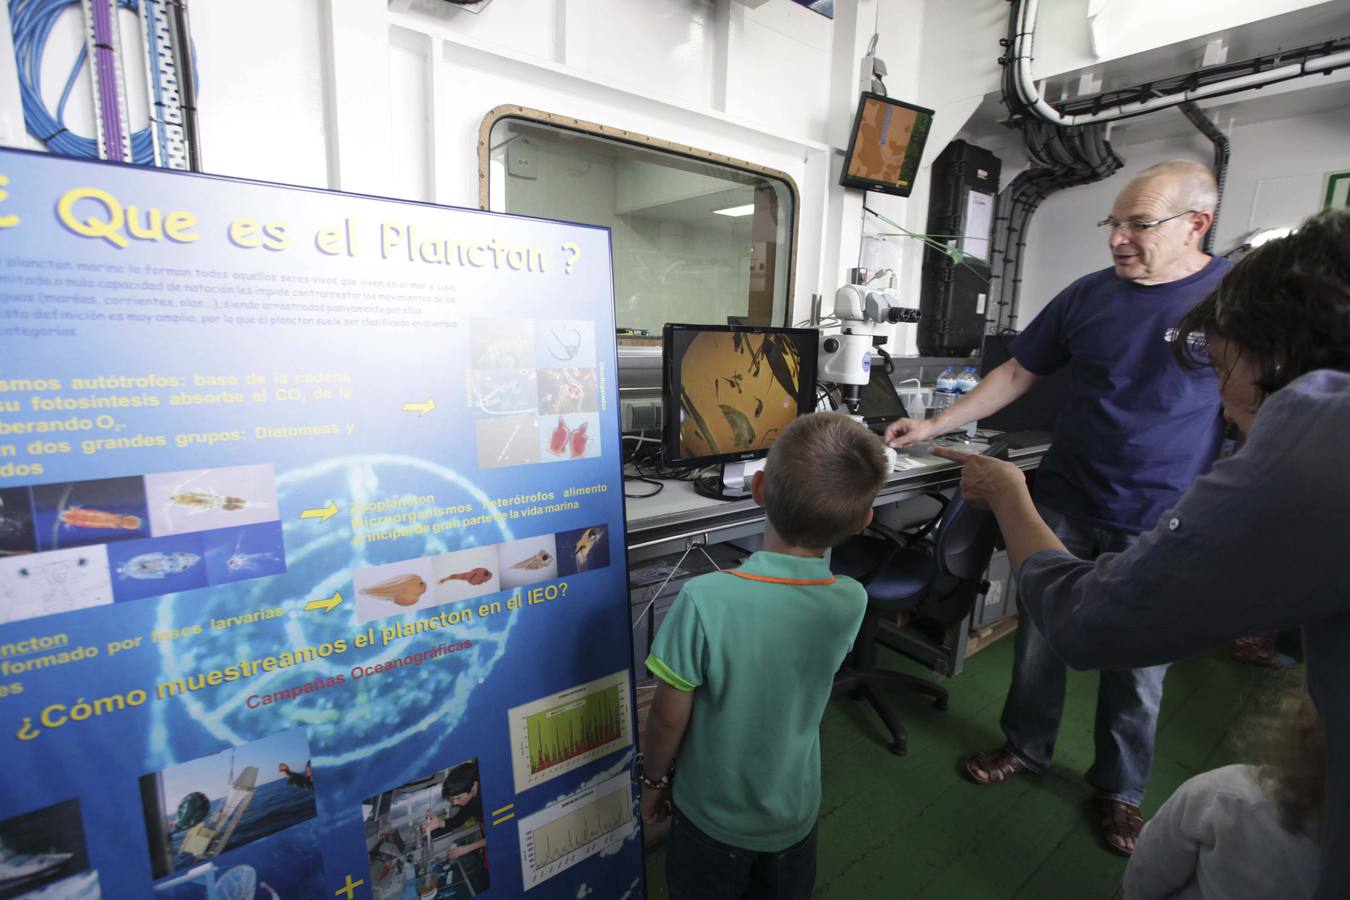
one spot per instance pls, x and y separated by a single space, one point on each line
913 826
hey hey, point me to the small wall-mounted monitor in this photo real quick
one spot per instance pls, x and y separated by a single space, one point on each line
886 145
728 390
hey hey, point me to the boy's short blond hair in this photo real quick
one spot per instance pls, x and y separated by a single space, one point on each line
823 473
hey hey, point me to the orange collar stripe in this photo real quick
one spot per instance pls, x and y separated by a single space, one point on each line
771 580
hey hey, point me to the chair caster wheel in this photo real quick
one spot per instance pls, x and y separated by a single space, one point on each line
899 748
940 704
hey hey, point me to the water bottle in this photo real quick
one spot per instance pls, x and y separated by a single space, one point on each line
965 383
946 392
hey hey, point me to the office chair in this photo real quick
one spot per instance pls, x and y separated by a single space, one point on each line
908 572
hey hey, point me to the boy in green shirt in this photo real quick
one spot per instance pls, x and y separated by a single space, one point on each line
746 660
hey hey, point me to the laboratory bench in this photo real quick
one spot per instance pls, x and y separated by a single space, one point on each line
678 516
678 533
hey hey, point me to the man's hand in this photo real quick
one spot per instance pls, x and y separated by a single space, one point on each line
903 432
985 481
656 805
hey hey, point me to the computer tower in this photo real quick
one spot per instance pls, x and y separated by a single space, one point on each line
999 599
961 207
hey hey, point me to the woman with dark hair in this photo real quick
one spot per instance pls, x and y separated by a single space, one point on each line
1261 543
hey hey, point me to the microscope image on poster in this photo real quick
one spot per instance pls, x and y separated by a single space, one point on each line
567 391
426 838
534 391
503 392
207 499
82 513
528 561
737 390
17 534
43 584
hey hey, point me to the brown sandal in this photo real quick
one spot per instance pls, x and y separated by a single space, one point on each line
994 766
1121 824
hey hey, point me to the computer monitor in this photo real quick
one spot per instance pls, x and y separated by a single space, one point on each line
880 404
885 145
729 390
1037 409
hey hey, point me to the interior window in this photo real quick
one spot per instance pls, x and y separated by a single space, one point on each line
697 238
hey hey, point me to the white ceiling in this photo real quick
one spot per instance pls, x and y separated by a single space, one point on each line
1300 28
1312 94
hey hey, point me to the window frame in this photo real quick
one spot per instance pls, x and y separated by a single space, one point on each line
637 139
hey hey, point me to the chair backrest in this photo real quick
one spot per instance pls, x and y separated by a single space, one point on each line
964 539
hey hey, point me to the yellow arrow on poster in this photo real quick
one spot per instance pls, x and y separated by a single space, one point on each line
323 513
6 221
420 408
327 604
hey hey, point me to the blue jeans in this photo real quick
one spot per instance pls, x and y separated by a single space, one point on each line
701 868
1127 700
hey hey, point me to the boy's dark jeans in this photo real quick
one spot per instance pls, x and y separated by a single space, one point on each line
700 868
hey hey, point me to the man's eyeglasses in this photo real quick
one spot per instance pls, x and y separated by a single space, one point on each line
1134 227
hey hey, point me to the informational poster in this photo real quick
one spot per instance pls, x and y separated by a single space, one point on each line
312 567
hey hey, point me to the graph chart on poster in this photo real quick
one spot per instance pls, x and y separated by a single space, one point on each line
311 545
556 734
583 825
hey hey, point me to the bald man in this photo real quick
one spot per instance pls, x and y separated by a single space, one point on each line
1136 431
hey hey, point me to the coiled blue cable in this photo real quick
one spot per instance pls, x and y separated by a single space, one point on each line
32 22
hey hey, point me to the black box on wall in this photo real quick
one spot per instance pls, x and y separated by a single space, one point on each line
961 207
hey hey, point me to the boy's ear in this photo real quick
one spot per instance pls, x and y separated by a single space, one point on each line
867 520
757 487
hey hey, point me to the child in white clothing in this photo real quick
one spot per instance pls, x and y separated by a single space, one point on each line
1241 831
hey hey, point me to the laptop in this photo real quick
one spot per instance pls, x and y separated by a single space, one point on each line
881 404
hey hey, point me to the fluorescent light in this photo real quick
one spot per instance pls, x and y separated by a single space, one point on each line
736 211
1269 234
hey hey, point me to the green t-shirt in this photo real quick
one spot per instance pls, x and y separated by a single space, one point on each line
760 648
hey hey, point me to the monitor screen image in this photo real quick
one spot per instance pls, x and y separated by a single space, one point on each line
728 391
886 145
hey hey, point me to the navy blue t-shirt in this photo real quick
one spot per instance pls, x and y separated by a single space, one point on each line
1137 428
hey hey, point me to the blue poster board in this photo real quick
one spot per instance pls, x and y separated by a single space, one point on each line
312 564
